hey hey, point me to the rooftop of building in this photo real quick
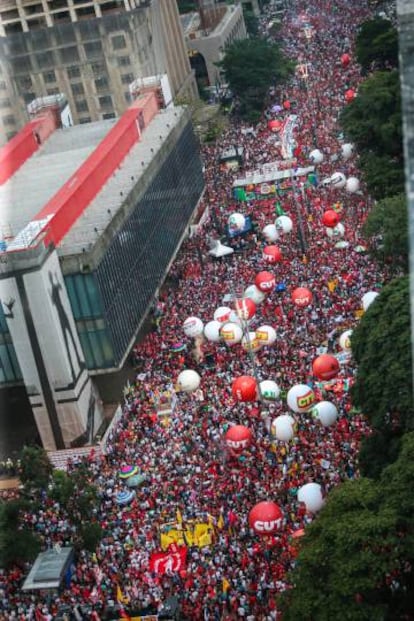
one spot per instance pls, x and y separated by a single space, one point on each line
214 22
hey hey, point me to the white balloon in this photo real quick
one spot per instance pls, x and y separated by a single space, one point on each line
338 180
234 318
347 150
251 343
254 294
270 233
222 314
300 398
282 428
266 335
345 340
336 231
231 333
269 390
212 331
326 181
193 326
326 412
236 221
316 156
188 380
368 299
311 495
352 185
283 224
340 245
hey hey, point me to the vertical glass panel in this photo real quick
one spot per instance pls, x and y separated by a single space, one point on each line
82 296
73 298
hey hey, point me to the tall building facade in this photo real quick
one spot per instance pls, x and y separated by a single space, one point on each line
90 50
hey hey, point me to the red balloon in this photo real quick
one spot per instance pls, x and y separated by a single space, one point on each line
265 518
325 367
345 60
275 125
238 437
245 308
302 297
350 95
265 281
244 388
286 105
272 254
330 218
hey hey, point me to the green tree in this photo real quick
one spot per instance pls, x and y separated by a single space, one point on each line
90 535
35 468
17 545
63 487
387 228
250 67
252 23
377 42
383 175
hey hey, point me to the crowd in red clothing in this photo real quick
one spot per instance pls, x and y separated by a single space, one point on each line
186 462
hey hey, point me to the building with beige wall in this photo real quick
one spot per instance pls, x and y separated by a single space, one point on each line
90 50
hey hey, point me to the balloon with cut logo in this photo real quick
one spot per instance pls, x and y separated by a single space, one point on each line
338 180
245 308
188 380
231 333
330 218
300 398
236 221
345 340
238 437
272 254
325 367
244 388
254 294
350 95
222 314
266 335
193 326
265 518
269 390
326 412
284 224
316 156
270 233
302 297
265 281
283 428
368 299
311 495
352 185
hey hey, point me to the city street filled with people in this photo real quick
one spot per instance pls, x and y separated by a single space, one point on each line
184 530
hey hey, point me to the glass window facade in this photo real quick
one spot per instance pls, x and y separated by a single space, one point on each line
88 314
136 261
9 366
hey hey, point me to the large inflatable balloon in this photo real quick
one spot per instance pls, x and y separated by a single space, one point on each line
325 367
231 333
352 185
269 390
300 398
245 308
336 231
345 60
311 495
265 282
350 95
193 326
338 180
283 428
254 294
222 314
316 156
283 224
270 233
345 340
244 388
326 412
347 150
272 254
266 335
330 218
250 342
212 331
302 297
238 437
265 518
188 380
274 125
236 221
368 299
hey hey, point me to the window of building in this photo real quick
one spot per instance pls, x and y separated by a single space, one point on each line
127 96
62 16
45 59
108 115
118 42
22 64
127 78
85 12
10 14
73 72
85 119
77 89
49 76
3 86
123 61
10 29
98 69
81 106
93 49
107 7
24 83
69 54
57 4
9 120
37 23
32 9
28 97
5 103
105 101
52 91
101 84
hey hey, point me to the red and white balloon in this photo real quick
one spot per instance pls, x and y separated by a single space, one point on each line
238 437
265 518
244 388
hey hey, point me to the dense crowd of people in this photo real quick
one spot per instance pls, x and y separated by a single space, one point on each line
190 474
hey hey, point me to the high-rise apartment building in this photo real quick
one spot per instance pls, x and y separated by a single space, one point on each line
90 50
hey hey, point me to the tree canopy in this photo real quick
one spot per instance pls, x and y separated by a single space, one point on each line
377 42
35 468
387 229
250 67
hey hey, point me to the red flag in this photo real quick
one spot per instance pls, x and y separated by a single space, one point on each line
171 561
